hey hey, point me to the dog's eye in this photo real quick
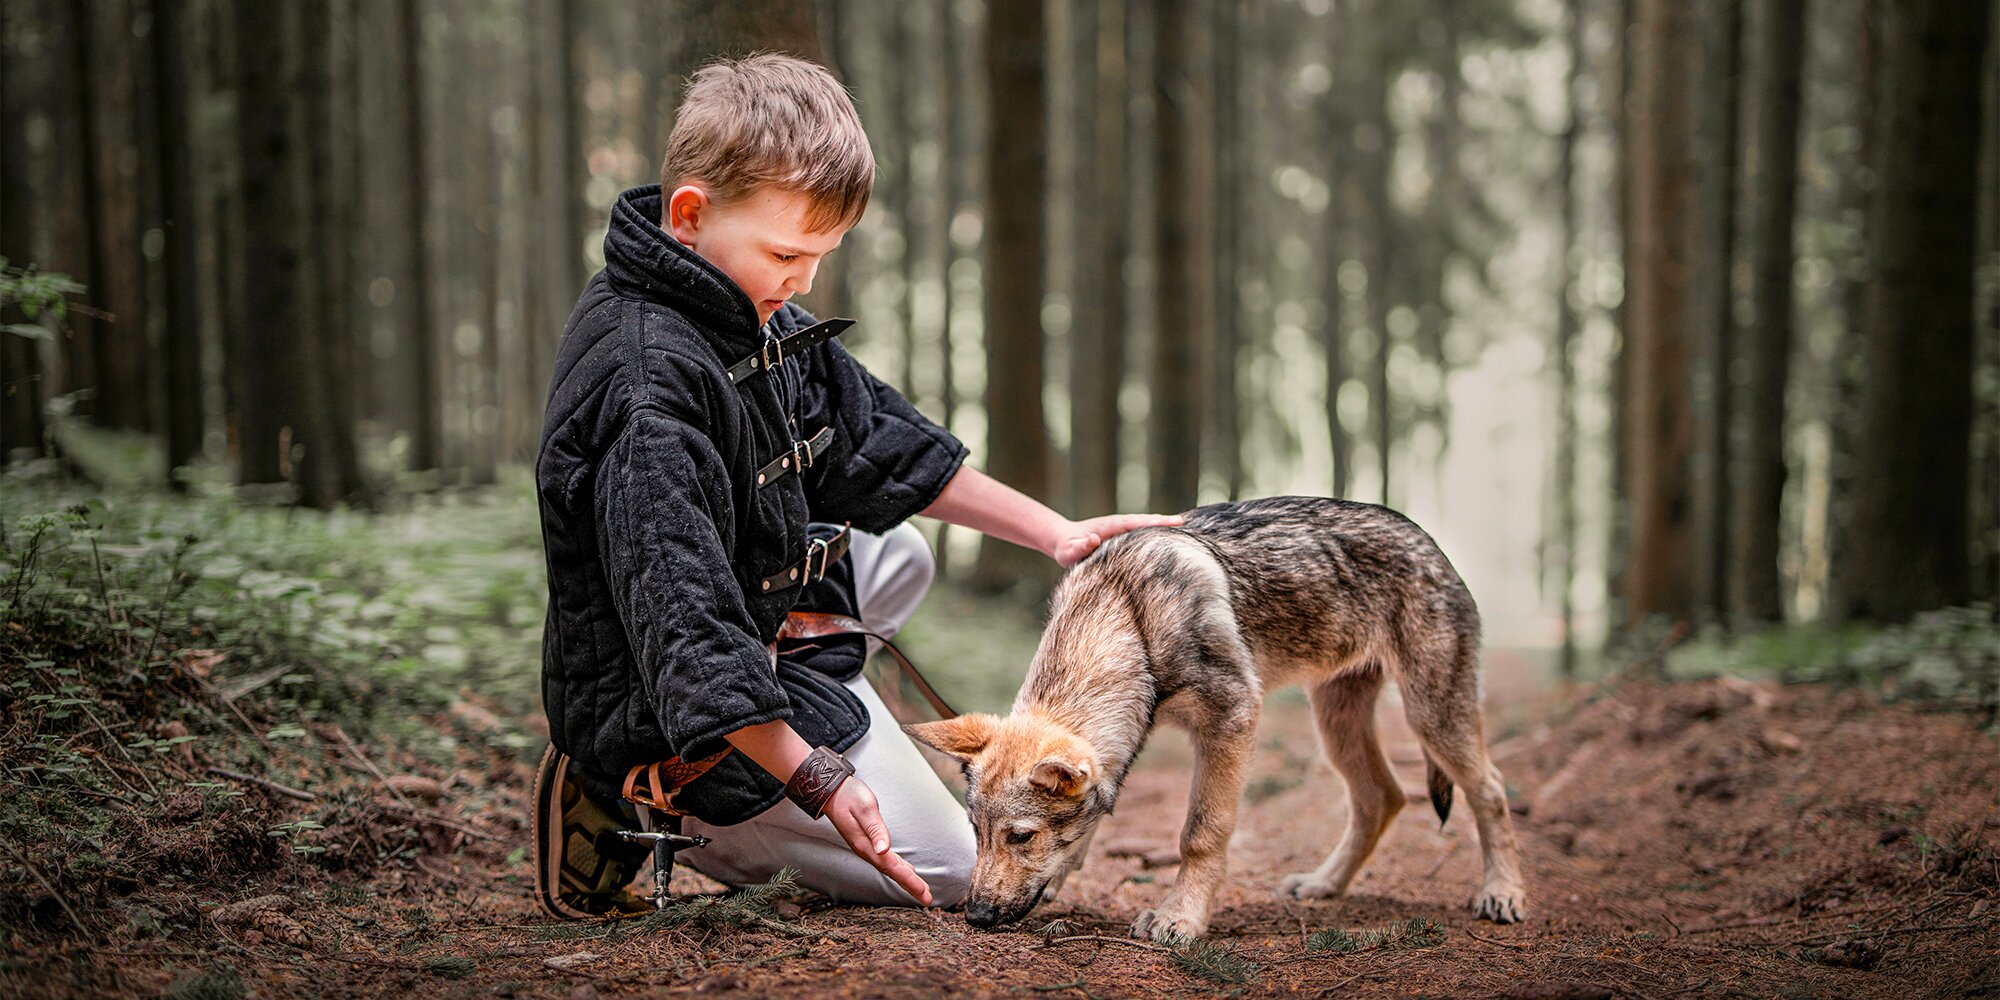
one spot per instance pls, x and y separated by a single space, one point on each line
1020 836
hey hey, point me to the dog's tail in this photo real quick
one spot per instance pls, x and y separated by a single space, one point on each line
1440 787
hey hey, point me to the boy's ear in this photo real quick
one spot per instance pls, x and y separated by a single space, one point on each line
961 737
684 208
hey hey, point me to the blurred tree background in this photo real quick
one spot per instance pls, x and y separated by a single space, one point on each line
1662 316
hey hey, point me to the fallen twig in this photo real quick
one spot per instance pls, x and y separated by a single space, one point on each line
436 820
1794 920
1078 986
1872 932
57 896
265 783
347 743
1495 941
1103 937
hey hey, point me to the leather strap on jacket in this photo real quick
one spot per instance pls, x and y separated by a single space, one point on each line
777 349
657 783
821 553
799 459
800 625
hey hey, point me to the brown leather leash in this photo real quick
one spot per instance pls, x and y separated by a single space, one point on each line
820 625
655 784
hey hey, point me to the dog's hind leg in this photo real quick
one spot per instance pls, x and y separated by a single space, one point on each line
1441 699
1344 707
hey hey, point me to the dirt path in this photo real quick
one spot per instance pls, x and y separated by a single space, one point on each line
1705 840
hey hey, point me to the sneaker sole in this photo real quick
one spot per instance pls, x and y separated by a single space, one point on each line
548 837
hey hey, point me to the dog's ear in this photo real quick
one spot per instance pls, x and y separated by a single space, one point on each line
961 737
1061 777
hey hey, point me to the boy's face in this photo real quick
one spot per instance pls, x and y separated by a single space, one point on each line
760 241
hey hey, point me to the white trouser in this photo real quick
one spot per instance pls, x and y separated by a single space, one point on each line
927 826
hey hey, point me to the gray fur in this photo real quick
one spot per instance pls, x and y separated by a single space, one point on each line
1192 625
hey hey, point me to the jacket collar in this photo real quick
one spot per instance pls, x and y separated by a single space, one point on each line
646 261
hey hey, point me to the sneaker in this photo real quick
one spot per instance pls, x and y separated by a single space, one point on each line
582 868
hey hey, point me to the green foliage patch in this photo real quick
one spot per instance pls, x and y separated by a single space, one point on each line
1399 935
1947 658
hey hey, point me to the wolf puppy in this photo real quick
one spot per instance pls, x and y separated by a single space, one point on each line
1191 625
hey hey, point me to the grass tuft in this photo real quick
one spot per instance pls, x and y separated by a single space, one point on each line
1210 961
451 966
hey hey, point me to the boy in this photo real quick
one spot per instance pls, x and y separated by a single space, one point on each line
697 423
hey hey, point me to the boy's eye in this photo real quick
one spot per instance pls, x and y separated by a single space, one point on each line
1020 836
785 258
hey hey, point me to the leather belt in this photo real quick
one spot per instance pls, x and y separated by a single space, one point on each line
799 459
820 554
775 350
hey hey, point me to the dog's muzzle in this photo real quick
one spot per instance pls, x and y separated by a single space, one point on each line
982 915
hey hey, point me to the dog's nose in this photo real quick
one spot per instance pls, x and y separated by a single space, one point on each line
981 914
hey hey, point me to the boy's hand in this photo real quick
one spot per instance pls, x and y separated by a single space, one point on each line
854 813
1081 538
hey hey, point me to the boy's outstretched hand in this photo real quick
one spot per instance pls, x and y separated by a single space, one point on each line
1083 537
973 499
854 813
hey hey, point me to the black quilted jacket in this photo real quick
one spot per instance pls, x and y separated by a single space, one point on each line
657 534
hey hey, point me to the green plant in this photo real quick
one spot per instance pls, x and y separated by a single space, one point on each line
35 293
1210 961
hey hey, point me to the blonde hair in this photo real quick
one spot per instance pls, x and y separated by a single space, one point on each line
772 119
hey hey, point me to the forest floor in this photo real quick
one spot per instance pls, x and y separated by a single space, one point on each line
1699 839
254 752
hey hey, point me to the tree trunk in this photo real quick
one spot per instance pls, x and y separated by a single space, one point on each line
323 426
124 394
180 349
552 250
1756 594
1856 201
705 31
1375 144
1227 273
1909 544
26 100
1017 446
1183 199
1659 426
1336 117
1714 298
1566 329
422 342
1618 544
1097 311
271 255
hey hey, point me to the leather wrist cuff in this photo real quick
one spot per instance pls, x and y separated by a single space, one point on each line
818 777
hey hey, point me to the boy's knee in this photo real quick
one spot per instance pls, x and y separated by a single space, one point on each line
900 573
912 553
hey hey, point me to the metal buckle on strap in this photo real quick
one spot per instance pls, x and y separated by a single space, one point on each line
772 353
803 572
798 459
818 547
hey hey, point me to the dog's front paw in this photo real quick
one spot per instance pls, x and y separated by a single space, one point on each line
1502 904
1306 885
1167 929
